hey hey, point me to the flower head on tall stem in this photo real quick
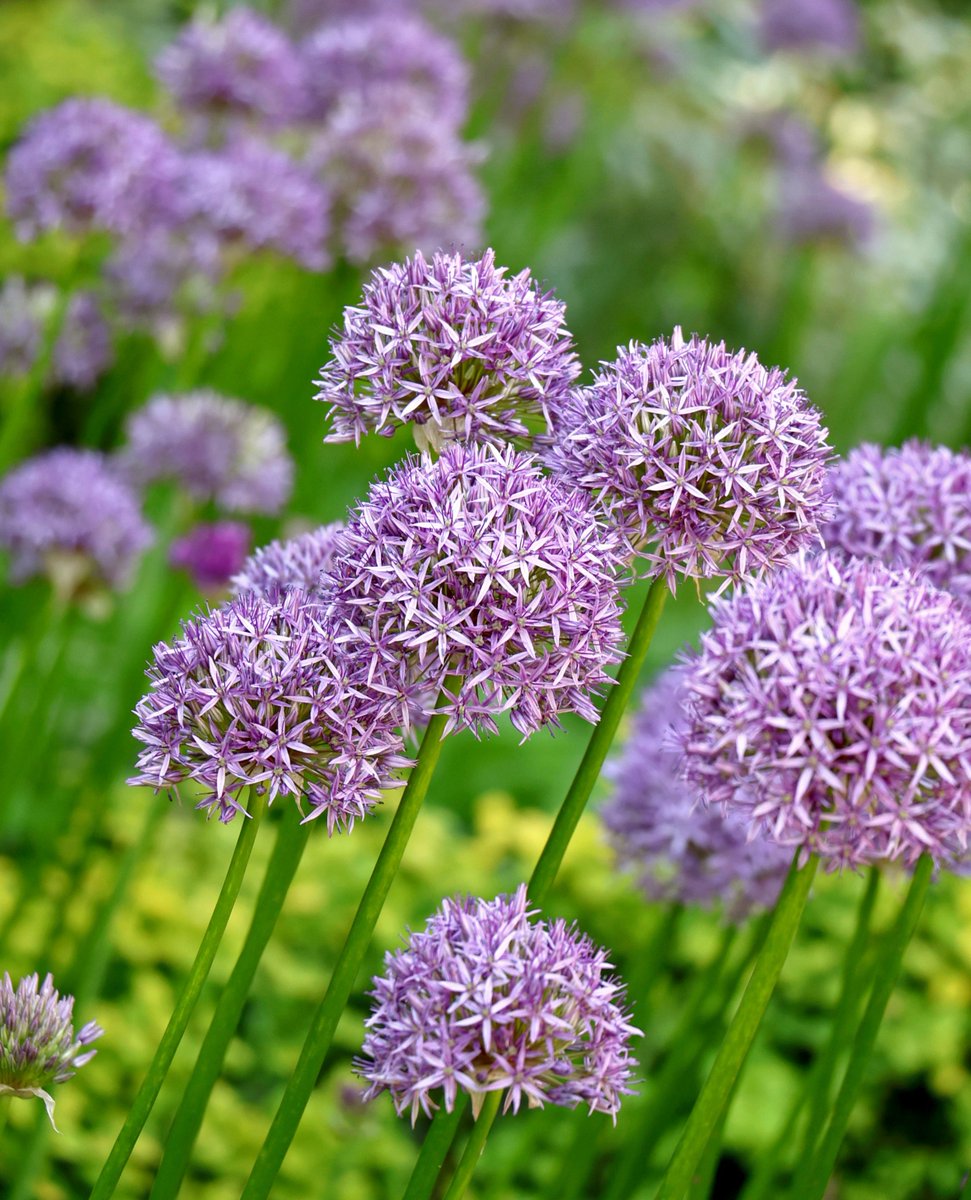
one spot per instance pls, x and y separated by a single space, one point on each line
296 563
487 999
212 553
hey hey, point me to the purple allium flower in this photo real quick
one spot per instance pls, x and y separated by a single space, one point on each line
826 25
83 351
384 48
258 694
907 507
711 464
216 447
811 208
480 567
399 175
830 706
152 278
297 563
38 1045
454 348
66 514
212 553
242 65
682 850
89 164
21 328
486 1000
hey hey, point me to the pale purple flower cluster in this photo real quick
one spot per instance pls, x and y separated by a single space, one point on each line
711 464
38 1045
683 850
830 706
482 568
67 513
217 448
907 507
297 563
453 347
487 1000
84 350
832 26
811 208
21 328
212 552
259 694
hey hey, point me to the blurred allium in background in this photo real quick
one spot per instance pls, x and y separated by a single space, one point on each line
826 26
682 849
485 999
212 553
21 327
83 351
297 563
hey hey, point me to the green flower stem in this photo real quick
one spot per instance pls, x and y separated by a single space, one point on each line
324 1025
142 1105
717 1088
434 1149
291 840
811 1183
4 1112
474 1146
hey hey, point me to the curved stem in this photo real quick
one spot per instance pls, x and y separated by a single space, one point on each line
474 1146
717 1088
811 1182
434 1149
191 990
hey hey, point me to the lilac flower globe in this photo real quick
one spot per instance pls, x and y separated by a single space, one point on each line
21 327
257 694
216 447
67 515
712 465
487 999
452 347
813 209
480 568
683 850
827 26
907 507
212 553
830 708
83 351
296 563
38 1045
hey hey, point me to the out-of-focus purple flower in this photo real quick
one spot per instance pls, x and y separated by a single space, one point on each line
67 514
487 1000
384 48
711 464
452 347
482 568
682 850
212 553
832 26
811 209
241 65
88 164
83 351
297 563
38 1045
258 694
164 272
830 707
304 17
21 328
217 448
908 507
516 10
399 175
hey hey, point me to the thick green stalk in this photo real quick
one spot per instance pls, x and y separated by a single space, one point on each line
734 1049
291 840
474 1146
4 1112
811 1183
321 1032
142 1105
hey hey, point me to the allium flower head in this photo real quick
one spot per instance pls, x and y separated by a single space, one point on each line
826 25
481 567
830 706
38 1045
212 553
21 328
453 347
217 448
83 351
683 850
711 464
66 514
297 563
907 507
258 694
811 208
487 1000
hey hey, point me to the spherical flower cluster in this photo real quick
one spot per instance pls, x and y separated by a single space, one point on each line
830 706
908 508
811 208
453 347
38 1045
216 447
83 351
825 25
712 465
683 850
487 1000
21 328
212 553
258 694
297 563
480 567
66 514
